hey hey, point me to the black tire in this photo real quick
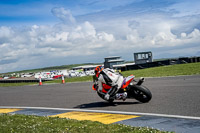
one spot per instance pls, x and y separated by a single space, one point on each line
141 93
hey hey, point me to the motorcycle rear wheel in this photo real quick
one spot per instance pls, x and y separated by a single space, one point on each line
141 93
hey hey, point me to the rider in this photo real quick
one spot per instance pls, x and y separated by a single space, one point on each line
111 78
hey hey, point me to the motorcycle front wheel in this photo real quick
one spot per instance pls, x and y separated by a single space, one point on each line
141 93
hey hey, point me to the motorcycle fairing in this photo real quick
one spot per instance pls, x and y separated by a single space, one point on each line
127 81
105 88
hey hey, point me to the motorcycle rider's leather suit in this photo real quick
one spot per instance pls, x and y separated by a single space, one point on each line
111 78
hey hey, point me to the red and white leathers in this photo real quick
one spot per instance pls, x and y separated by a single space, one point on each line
110 77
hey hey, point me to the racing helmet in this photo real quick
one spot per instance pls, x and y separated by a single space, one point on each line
98 69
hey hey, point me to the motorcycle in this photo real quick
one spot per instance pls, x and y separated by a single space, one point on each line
134 89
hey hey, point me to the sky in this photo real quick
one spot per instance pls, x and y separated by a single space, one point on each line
43 33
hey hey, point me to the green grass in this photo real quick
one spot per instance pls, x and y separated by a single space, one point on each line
16 84
37 124
171 70
67 80
74 79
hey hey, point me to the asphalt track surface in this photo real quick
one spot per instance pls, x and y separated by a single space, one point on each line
171 96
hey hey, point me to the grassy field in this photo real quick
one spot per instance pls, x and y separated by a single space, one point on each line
16 84
171 70
37 124
74 79
163 71
23 123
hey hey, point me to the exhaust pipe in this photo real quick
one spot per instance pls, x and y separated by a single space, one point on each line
141 80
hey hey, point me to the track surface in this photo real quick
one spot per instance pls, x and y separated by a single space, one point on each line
171 95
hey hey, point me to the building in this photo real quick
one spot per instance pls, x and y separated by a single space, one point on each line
85 67
122 67
143 57
113 60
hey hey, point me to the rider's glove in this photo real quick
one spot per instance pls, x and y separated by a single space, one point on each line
107 97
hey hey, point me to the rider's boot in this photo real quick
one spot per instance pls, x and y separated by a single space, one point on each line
122 96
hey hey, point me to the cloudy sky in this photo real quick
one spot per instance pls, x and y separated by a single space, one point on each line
42 33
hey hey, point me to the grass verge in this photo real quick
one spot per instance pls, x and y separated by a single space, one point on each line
29 124
74 79
171 70
16 84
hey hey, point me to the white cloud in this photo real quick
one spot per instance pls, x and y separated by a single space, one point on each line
105 37
92 37
40 42
5 32
64 15
186 8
